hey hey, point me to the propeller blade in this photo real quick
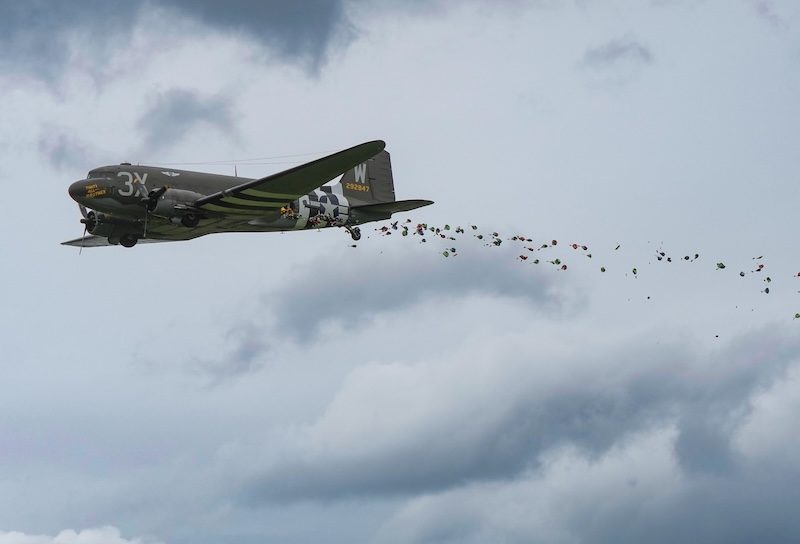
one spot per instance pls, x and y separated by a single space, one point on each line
83 237
155 194
151 200
84 213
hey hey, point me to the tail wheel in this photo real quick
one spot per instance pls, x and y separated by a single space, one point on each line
355 233
129 240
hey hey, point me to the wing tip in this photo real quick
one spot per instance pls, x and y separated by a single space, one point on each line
74 243
379 144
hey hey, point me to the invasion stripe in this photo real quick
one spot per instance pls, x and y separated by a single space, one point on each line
258 207
225 209
256 203
254 198
256 192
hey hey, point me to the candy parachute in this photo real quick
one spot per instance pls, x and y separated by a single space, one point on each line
542 251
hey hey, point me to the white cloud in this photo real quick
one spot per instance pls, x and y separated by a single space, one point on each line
494 406
102 535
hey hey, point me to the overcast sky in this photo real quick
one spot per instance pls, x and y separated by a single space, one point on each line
293 389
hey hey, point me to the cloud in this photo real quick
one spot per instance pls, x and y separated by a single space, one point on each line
360 287
103 535
297 31
563 501
494 408
62 150
247 353
176 112
35 36
766 10
642 488
41 37
615 52
634 492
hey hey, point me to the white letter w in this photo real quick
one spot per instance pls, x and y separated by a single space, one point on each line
360 171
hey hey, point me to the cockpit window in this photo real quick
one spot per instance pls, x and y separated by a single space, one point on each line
100 174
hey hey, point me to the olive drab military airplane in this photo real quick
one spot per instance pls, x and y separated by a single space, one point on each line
125 204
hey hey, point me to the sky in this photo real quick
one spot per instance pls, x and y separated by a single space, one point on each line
291 388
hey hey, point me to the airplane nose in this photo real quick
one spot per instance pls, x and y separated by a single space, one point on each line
77 190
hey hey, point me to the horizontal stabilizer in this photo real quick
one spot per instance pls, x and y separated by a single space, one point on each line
393 207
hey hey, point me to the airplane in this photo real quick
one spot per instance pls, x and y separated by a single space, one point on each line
126 204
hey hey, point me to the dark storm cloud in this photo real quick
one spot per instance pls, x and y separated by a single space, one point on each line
591 402
616 51
34 33
295 30
176 112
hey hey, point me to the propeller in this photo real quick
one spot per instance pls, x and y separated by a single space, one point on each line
83 237
85 222
150 203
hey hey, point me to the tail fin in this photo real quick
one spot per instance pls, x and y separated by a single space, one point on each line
370 182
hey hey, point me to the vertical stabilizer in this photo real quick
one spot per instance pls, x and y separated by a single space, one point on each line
370 182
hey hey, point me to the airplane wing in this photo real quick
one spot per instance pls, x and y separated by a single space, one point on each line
258 196
100 241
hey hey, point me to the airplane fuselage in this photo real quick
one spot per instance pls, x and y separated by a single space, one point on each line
118 195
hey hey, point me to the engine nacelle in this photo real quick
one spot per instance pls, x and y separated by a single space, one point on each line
165 206
111 227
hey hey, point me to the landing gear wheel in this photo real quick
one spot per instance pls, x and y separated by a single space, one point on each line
129 240
355 234
190 220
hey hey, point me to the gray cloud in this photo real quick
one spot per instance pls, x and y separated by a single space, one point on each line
248 352
294 30
62 150
34 35
634 493
766 10
623 50
512 406
175 112
367 285
362 286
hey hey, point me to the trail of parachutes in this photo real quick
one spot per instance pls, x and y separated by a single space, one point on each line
541 252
